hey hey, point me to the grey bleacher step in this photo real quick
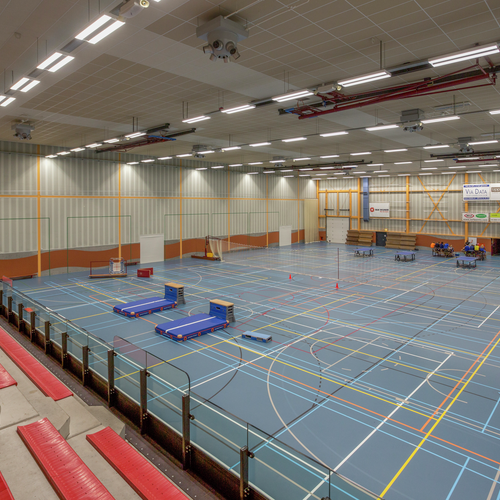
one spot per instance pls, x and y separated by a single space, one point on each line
21 472
113 482
80 419
14 407
43 406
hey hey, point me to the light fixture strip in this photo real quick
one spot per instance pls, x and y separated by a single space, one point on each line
52 59
104 33
30 85
61 63
370 77
93 27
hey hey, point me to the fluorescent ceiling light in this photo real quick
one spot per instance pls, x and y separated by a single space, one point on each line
184 155
53 58
348 177
394 150
230 111
489 165
277 161
147 161
294 94
286 170
61 63
256 163
432 161
464 55
448 173
62 153
104 33
403 162
288 176
349 166
321 174
201 168
360 172
302 159
360 154
76 150
218 166
404 175
110 141
381 127
473 171
495 112
369 77
207 152
93 27
431 168
135 134
331 178
257 144
427 173
339 173
329 156
304 175
196 119
442 119
437 146
456 166
30 85
19 84
51 156
236 165
482 142
2 97
165 158
304 169
268 171
93 145
294 139
384 175
133 163
332 134
326 168
232 148
380 171
365 176
252 173
7 102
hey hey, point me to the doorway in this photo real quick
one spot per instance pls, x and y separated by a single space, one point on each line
380 238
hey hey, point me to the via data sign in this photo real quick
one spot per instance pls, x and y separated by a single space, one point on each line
475 217
477 192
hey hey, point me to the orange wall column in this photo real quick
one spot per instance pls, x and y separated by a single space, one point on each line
38 212
180 211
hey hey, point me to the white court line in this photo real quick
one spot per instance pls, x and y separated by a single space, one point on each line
488 317
390 415
408 291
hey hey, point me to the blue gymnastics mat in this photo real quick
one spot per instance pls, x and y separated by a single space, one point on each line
144 306
192 326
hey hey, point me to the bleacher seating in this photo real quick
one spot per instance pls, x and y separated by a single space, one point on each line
63 468
402 241
143 477
34 370
5 380
5 493
360 238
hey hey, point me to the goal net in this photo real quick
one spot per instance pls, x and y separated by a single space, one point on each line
220 247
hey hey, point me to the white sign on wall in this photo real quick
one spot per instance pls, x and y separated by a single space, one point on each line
475 217
379 209
481 192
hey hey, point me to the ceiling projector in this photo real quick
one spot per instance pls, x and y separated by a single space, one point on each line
222 36
23 131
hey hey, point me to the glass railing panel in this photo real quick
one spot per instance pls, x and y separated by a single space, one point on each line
218 432
98 356
165 402
127 377
77 338
58 326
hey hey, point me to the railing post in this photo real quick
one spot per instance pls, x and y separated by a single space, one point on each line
186 432
47 337
111 378
32 325
244 489
85 364
64 349
144 400
20 309
9 309
1 302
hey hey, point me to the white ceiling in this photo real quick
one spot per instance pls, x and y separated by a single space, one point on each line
154 64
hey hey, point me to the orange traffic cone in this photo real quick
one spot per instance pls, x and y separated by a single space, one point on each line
290 277
337 286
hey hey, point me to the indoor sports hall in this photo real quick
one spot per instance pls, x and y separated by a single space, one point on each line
250 250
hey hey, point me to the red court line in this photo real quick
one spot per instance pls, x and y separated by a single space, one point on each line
316 389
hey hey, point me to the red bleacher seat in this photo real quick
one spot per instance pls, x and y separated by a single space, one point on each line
64 469
143 477
5 379
37 373
5 493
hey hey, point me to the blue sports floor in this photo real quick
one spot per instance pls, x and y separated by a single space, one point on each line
392 379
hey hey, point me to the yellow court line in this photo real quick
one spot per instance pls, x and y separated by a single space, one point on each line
403 467
100 293
422 269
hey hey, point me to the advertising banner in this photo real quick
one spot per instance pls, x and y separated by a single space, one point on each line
475 217
379 209
495 218
476 192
